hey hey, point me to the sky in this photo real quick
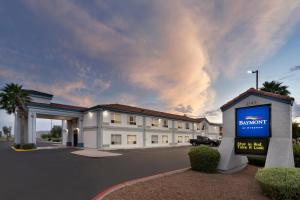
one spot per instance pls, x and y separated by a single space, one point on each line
179 56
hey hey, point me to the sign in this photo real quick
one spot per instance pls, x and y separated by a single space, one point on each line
253 122
254 146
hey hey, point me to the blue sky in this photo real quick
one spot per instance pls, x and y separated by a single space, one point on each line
177 56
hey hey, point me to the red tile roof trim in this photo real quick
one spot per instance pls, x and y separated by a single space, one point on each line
257 92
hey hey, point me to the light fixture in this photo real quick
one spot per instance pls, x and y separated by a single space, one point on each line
105 113
254 72
90 114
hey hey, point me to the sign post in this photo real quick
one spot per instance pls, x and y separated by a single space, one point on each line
256 123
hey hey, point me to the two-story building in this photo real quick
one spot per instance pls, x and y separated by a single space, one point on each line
114 126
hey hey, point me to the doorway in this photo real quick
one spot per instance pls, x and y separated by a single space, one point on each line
75 138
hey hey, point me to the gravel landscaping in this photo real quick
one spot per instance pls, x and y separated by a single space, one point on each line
193 185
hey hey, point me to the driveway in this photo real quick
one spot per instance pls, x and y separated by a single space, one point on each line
57 174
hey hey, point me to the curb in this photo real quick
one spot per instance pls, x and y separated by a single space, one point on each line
22 150
104 193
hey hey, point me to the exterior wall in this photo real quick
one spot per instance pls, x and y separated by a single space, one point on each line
124 134
101 122
90 119
184 140
160 139
90 138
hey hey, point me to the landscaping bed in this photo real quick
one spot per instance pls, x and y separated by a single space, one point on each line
193 185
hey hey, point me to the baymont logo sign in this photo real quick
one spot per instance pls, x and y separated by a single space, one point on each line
253 120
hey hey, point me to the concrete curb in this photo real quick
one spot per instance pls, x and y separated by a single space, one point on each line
119 186
23 150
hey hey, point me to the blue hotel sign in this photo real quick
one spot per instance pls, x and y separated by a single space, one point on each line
253 129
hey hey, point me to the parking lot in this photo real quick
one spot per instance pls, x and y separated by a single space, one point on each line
57 174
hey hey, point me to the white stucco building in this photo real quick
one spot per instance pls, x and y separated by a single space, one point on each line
114 126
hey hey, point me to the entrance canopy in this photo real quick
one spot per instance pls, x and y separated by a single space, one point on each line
41 107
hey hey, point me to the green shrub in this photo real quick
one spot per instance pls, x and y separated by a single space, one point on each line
29 146
204 159
56 140
280 183
256 161
45 136
17 146
25 146
297 155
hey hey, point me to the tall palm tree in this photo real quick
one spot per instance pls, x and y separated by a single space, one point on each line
13 99
275 87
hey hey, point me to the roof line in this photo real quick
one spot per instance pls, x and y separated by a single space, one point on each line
260 93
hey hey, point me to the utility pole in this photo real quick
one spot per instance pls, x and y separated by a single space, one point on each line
254 72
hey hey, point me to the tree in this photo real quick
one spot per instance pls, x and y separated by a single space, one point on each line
56 132
275 87
6 131
296 130
13 99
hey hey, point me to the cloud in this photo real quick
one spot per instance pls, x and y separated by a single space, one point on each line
296 111
184 109
91 35
67 91
101 85
295 68
181 47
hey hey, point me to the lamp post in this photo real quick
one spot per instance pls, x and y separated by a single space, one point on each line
254 72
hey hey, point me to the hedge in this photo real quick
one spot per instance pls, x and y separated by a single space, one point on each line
280 183
297 155
260 161
25 146
204 159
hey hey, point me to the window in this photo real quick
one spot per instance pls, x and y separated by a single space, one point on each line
165 123
131 120
131 139
198 126
155 122
187 125
179 139
186 139
203 127
116 118
165 139
154 139
179 125
116 139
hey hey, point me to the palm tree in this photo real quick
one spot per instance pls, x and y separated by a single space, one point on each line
13 99
275 87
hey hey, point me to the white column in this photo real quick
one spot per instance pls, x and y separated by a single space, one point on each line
99 129
80 132
17 133
31 128
64 131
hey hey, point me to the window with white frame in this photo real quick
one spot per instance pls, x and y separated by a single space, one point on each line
154 139
116 139
165 123
131 139
187 125
186 139
179 139
131 119
165 139
115 118
179 125
155 121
